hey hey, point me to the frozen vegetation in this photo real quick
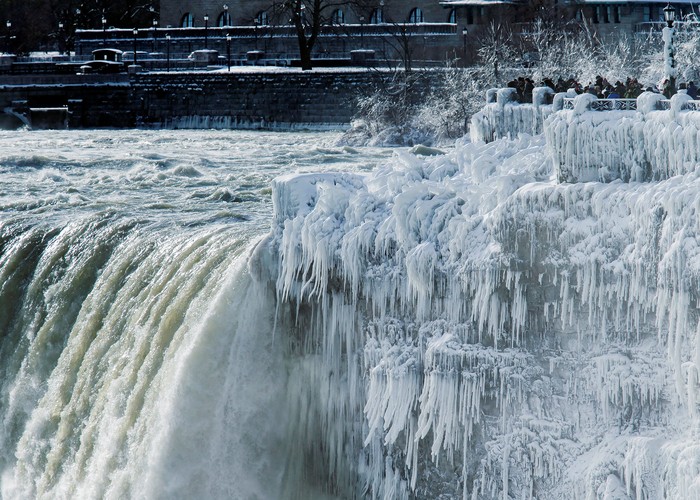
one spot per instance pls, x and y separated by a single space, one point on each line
402 112
471 327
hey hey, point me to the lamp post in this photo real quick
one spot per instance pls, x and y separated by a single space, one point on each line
167 45
362 32
669 51
104 30
8 24
77 27
59 38
136 34
228 50
465 32
155 32
256 21
227 22
206 31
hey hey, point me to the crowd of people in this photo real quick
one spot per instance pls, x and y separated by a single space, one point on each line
601 88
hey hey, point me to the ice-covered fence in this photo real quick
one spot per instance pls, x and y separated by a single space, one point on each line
605 104
504 116
658 139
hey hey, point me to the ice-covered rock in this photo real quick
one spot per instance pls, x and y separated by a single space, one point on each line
476 328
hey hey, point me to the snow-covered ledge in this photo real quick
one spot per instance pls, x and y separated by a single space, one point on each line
650 143
504 116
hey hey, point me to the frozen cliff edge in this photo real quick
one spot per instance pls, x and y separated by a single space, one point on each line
650 138
466 326
651 143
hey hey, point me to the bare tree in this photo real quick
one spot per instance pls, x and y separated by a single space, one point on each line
307 17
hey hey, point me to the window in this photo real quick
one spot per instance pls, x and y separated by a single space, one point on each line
262 18
377 17
224 19
416 16
338 17
596 18
187 20
452 17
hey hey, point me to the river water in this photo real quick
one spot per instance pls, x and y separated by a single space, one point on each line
123 295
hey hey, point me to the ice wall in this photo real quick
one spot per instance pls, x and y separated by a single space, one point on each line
642 145
503 116
467 326
657 141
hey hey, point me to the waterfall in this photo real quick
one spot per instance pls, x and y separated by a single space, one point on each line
137 362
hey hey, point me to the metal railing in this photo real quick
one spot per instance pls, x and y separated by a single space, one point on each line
606 104
629 105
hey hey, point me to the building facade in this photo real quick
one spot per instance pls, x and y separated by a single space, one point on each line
431 31
191 13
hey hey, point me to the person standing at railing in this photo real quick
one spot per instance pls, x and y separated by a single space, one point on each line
611 93
692 90
668 88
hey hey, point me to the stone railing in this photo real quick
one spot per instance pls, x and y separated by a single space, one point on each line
504 116
656 140
648 138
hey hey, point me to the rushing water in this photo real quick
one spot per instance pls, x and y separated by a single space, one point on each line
137 358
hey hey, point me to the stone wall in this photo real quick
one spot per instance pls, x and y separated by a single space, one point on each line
248 100
87 101
271 98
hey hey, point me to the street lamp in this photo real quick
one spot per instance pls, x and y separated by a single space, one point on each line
465 32
256 21
226 19
206 33
59 37
9 28
228 50
669 51
155 32
136 34
167 44
77 26
362 32
104 30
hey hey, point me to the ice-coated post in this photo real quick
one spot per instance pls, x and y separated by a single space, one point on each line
540 96
670 69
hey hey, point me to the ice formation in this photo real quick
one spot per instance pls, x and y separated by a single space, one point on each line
647 144
658 140
503 116
468 326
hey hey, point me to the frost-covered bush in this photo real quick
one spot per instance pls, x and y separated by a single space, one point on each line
428 107
386 112
406 110
445 113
